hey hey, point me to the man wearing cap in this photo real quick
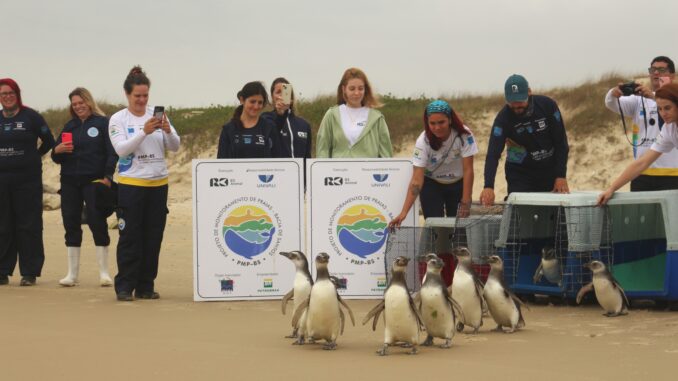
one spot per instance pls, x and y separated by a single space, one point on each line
531 127
647 124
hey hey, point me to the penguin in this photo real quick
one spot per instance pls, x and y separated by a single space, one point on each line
425 258
324 318
609 293
549 267
437 306
302 285
504 305
467 289
401 318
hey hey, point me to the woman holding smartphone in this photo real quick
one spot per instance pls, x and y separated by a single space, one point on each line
140 139
443 166
295 132
21 185
247 135
354 128
88 160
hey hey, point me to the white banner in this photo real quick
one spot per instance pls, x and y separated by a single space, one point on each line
244 213
351 203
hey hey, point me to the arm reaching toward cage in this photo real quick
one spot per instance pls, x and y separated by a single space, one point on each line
631 172
416 183
487 197
560 186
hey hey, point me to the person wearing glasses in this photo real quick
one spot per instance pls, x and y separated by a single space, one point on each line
21 185
532 130
647 124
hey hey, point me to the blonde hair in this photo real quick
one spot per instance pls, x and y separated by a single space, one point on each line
369 100
89 101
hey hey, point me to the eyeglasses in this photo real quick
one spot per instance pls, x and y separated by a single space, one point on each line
8 94
660 70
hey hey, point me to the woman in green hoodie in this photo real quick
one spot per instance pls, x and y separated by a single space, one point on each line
354 128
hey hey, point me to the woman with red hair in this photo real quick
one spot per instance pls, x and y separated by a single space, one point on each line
443 166
21 185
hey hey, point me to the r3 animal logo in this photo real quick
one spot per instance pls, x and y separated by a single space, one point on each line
334 181
218 182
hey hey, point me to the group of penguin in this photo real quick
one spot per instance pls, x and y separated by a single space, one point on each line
436 309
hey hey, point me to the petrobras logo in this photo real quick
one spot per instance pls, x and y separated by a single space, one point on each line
265 181
380 180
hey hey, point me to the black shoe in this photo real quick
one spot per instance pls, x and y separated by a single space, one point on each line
124 296
27 280
4 279
147 295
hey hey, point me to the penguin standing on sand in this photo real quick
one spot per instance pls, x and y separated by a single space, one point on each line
323 315
609 293
401 318
437 306
503 304
302 286
467 289
549 267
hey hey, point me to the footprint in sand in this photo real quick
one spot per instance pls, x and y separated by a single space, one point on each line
671 351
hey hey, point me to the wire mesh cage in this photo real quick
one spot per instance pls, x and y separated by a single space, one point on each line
478 232
567 237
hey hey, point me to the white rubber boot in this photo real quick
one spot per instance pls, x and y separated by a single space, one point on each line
71 278
102 258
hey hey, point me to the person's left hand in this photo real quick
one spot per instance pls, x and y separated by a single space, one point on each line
464 209
165 126
645 91
106 182
560 186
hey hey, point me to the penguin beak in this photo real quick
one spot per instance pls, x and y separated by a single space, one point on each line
587 265
285 254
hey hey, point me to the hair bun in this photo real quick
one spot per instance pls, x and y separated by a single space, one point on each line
135 71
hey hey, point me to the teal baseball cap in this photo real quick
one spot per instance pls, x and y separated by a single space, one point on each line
516 89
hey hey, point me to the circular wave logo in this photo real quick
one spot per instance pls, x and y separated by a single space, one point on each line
248 231
362 230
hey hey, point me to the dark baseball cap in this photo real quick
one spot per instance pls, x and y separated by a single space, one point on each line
516 89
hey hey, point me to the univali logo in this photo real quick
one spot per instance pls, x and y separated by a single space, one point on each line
219 182
380 177
334 181
265 178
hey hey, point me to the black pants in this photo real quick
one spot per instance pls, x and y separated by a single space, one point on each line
529 184
72 197
654 183
21 227
142 213
437 199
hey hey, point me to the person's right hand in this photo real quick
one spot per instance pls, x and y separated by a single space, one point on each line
645 91
151 125
280 107
487 197
616 92
396 221
604 197
66 147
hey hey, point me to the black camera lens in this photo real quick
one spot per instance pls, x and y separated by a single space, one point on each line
629 88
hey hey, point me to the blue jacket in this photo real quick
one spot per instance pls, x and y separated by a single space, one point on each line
295 134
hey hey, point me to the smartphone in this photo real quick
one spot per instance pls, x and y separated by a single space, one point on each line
664 81
286 93
66 137
158 111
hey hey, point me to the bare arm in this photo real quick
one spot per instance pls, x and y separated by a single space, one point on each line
630 173
413 190
467 192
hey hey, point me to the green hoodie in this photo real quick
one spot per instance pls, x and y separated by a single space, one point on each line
373 142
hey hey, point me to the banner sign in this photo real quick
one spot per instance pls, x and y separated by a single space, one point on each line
351 203
244 213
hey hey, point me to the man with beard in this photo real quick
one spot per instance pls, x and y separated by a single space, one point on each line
532 129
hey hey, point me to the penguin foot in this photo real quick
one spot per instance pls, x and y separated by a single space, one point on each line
330 346
292 336
299 341
383 351
405 345
447 345
498 329
460 327
414 350
428 342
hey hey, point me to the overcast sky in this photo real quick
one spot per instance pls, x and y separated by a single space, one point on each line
201 52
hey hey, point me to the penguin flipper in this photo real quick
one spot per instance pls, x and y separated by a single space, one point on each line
538 274
517 300
350 312
456 306
374 312
415 311
300 311
617 285
286 300
582 291
376 320
342 318
417 300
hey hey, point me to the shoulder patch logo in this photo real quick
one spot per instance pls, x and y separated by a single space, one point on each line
497 131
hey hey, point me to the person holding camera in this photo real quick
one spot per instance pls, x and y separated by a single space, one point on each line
666 142
21 185
532 129
88 161
637 101
354 128
295 132
247 135
140 138
442 176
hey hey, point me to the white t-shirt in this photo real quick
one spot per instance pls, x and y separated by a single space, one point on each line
667 140
444 165
353 121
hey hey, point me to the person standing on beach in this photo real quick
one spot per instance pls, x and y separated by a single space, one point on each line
87 161
21 185
295 132
647 125
532 129
354 128
140 139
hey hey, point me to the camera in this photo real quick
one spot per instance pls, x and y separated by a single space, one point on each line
629 88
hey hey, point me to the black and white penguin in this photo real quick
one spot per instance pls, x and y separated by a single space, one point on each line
549 267
504 305
321 310
437 306
467 290
609 293
302 285
401 318
425 258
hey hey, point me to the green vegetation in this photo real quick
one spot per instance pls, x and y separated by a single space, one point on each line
582 105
